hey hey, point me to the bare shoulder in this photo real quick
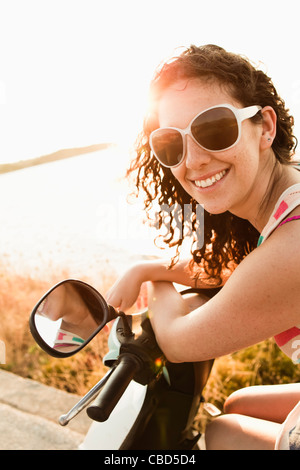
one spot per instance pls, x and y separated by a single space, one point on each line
266 284
283 246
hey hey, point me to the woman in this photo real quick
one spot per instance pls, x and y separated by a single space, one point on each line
218 134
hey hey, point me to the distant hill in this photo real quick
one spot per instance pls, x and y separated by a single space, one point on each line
52 157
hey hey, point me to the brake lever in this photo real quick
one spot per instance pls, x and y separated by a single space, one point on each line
83 403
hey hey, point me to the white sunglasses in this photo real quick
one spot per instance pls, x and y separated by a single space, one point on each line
215 129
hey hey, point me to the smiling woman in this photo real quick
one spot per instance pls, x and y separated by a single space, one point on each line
202 177
219 135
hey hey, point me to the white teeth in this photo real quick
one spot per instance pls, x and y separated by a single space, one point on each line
210 181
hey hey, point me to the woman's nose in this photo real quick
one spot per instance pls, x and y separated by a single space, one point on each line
196 156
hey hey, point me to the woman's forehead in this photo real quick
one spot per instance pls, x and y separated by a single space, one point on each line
187 97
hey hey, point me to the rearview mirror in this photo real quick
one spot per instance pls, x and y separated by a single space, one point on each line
68 316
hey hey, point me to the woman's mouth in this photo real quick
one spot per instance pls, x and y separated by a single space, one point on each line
208 182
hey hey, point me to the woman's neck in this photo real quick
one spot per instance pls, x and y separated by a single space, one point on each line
281 178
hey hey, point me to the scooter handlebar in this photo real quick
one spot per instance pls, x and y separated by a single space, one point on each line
116 385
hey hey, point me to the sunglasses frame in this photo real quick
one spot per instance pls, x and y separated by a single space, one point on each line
240 114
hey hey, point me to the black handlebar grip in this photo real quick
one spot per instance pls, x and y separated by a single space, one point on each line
116 385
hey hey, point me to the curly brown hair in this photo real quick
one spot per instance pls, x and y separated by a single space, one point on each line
227 238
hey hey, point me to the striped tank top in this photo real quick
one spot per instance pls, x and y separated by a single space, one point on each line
289 340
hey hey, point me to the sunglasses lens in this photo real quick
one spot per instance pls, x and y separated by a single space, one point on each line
215 129
167 144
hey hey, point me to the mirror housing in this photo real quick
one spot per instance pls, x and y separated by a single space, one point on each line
68 317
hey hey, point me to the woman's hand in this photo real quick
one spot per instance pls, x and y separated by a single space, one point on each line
125 291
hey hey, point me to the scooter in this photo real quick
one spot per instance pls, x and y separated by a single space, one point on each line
143 401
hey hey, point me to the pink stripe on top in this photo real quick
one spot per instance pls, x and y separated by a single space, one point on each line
281 209
290 199
287 335
296 217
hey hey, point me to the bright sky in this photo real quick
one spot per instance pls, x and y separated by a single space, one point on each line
76 72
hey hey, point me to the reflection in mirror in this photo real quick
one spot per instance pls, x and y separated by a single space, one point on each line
69 315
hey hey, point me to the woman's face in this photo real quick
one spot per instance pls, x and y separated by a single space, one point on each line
231 176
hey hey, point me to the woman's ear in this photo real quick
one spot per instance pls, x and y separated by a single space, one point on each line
268 127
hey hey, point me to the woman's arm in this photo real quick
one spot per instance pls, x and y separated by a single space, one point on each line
125 291
260 299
